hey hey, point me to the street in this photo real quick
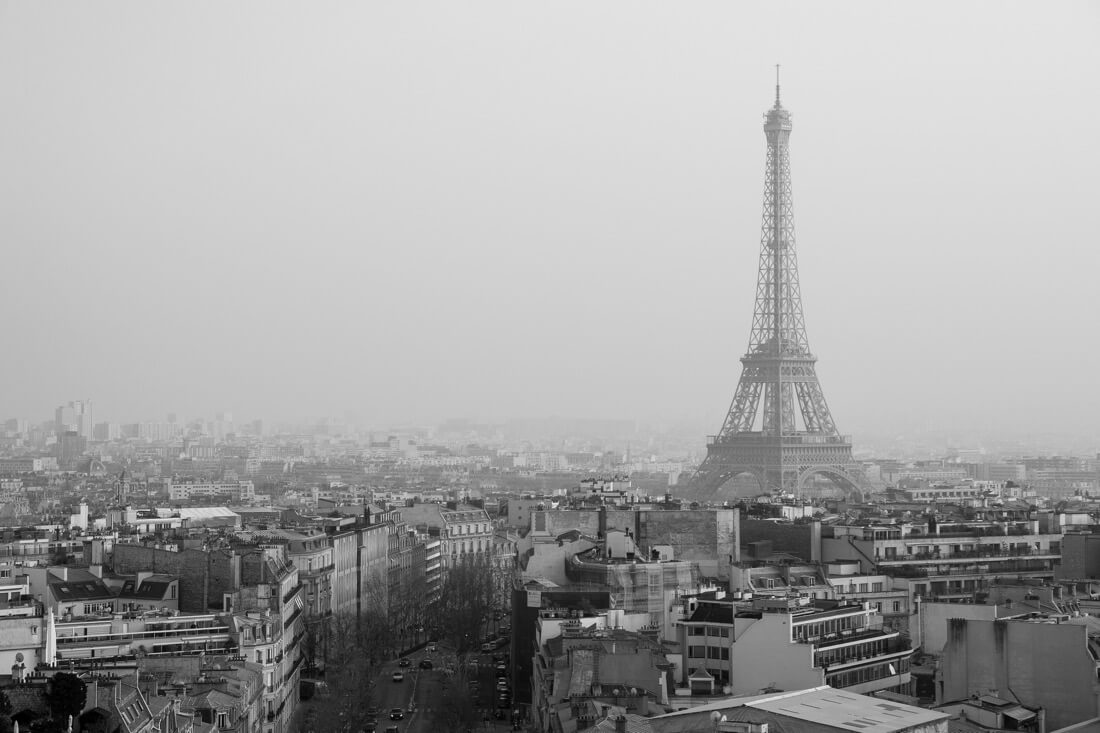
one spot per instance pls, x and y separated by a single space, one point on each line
423 694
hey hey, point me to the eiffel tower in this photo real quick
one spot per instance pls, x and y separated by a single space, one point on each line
778 428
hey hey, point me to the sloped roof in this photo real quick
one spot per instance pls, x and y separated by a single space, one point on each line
80 585
634 724
213 700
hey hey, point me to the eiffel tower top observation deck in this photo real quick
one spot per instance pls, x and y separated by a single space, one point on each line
778 428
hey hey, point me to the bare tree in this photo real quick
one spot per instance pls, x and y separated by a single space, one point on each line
466 601
349 658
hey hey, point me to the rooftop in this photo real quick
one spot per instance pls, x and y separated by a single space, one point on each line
825 706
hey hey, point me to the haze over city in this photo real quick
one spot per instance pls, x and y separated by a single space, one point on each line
413 211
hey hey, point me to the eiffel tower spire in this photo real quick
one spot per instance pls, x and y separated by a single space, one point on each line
778 427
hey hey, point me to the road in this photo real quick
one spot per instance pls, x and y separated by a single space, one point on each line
421 694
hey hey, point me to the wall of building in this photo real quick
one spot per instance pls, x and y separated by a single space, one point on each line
1080 556
21 635
932 634
204 576
791 538
1041 664
709 538
763 656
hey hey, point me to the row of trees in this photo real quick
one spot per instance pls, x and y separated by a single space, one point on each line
346 651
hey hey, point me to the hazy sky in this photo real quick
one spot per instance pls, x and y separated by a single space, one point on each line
417 210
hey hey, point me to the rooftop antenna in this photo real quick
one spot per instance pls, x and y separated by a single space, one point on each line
777 85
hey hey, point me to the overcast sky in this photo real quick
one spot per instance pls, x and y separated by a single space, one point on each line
414 210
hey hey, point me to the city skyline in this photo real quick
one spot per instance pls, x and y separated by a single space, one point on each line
540 212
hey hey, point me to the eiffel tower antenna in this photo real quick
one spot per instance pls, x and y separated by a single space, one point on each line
778 427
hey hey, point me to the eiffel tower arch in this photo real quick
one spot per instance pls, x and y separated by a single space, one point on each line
778 428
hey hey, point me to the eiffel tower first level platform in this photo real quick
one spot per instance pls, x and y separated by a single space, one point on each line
787 464
778 428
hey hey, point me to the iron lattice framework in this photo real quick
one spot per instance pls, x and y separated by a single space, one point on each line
778 427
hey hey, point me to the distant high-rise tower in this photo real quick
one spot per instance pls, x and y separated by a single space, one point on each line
778 428
76 417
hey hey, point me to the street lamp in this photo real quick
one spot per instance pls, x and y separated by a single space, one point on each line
717 718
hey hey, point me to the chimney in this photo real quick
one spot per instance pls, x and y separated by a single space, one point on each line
620 724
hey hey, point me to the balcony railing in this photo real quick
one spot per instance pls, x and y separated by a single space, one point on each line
849 655
290 593
314 572
963 555
972 568
866 633
144 635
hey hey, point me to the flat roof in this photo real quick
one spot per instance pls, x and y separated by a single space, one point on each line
849 711
829 707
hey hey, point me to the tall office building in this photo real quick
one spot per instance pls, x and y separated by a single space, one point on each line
75 417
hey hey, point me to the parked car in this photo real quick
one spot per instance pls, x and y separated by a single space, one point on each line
398 676
425 664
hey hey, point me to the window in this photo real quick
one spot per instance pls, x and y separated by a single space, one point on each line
876 587
897 606
697 652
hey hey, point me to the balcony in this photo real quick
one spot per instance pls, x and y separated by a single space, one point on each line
287 624
290 593
867 633
112 638
974 567
894 646
964 556
316 572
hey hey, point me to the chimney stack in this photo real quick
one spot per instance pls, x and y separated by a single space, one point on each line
620 724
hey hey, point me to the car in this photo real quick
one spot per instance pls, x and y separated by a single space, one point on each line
397 714
502 682
392 729
398 676
371 726
487 647
425 664
403 662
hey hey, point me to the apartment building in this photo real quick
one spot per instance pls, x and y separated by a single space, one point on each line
739 646
584 664
945 561
229 491
1047 661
